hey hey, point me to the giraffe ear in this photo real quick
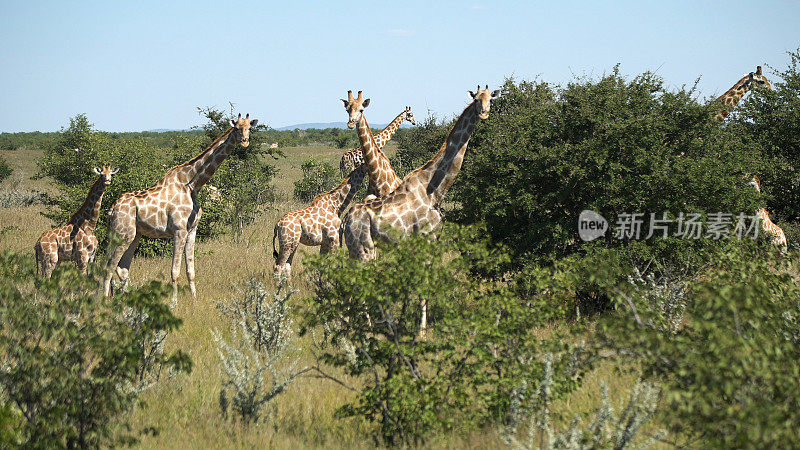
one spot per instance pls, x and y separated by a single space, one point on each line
496 93
114 170
232 123
97 170
365 103
344 102
471 94
254 122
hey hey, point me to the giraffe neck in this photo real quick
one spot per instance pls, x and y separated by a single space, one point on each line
378 167
89 212
199 169
439 173
732 97
341 196
386 134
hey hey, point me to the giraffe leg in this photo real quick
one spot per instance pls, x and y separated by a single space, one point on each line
124 266
283 265
178 244
189 255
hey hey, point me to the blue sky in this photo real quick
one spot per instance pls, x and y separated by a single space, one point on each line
145 65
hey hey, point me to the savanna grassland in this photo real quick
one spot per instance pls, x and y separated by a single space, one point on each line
185 408
657 340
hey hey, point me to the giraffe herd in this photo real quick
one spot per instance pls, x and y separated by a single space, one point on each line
393 207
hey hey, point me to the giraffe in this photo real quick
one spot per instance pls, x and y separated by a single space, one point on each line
414 205
75 241
316 224
776 234
353 158
382 179
732 96
169 209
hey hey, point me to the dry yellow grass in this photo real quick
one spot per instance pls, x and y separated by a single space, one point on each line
185 408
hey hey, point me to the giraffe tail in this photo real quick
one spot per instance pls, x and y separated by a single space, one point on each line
36 257
274 235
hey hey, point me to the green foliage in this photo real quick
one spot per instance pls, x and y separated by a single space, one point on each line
770 120
318 177
730 370
259 364
415 146
612 146
605 429
5 169
480 346
72 364
26 140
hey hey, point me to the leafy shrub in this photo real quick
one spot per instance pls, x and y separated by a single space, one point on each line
605 430
730 370
318 177
258 363
547 153
480 348
12 196
71 364
770 120
5 169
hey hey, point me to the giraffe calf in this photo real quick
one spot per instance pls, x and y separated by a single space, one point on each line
74 241
315 225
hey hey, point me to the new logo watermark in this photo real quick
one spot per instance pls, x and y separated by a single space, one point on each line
591 225
633 226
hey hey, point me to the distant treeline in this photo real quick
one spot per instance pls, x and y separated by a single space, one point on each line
330 137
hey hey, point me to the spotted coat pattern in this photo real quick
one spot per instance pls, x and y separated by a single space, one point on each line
75 241
732 96
169 209
775 233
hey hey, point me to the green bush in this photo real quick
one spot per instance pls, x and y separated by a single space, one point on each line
730 369
612 146
318 177
73 365
770 120
415 146
5 170
479 349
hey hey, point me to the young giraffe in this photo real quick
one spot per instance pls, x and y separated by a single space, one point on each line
353 158
732 96
169 209
382 179
414 205
316 224
75 241
772 230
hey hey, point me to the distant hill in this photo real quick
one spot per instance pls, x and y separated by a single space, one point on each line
321 125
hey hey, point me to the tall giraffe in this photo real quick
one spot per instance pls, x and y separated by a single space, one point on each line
316 224
731 97
75 241
382 179
776 234
414 205
169 209
353 158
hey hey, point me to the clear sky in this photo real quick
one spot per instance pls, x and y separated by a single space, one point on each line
140 65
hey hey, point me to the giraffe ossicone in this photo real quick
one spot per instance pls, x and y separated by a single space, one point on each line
76 240
169 209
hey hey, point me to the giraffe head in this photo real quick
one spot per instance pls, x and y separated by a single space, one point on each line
106 172
410 116
241 126
484 99
758 80
354 107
